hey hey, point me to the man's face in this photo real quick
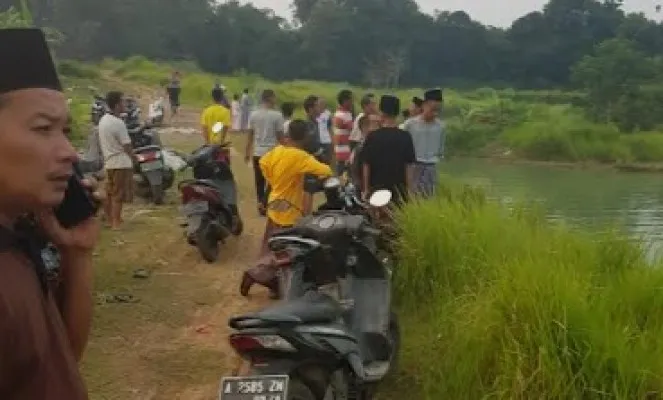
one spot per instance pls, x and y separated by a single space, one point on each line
431 109
317 109
371 108
36 156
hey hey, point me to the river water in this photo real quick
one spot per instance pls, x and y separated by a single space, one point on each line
590 199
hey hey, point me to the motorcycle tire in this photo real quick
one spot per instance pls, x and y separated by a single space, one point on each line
207 244
298 390
158 194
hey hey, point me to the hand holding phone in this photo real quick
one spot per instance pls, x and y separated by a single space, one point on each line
78 204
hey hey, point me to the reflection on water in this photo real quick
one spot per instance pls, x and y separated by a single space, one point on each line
587 198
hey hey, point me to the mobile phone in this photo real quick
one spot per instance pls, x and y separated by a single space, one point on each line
78 204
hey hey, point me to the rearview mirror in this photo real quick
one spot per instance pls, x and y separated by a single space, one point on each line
380 198
331 183
217 128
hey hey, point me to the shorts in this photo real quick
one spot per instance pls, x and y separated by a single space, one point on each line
120 184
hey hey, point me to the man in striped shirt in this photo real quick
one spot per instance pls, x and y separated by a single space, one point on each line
343 124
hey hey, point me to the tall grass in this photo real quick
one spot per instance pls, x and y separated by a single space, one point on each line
500 304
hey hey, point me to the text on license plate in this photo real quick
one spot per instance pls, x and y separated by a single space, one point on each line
151 165
267 387
196 207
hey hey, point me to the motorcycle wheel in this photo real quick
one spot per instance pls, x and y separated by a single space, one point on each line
158 194
297 390
207 244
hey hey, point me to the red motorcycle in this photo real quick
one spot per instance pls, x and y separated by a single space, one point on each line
209 201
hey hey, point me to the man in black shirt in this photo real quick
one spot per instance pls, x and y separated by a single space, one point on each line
388 155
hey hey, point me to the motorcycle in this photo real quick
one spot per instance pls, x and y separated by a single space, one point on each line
209 201
336 341
338 197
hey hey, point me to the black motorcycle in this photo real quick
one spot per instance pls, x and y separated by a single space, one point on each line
209 201
337 340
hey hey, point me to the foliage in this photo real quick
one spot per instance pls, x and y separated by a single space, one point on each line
498 303
613 77
379 42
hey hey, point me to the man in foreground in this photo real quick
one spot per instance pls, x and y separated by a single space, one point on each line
265 132
44 324
428 137
212 115
388 155
285 169
118 159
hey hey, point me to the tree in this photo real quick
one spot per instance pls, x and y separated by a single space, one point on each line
615 73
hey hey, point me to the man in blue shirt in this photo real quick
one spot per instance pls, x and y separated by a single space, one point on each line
428 136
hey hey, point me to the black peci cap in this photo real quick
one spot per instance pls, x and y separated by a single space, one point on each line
25 61
433 95
390 105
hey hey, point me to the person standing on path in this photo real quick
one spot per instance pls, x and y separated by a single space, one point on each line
265 132
212 115
173 90
388 155
343 126
287 109
118 158
236 113
45 322
428 136
324 127
245 107
368 106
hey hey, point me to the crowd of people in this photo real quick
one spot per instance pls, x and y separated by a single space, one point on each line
372 149
45 316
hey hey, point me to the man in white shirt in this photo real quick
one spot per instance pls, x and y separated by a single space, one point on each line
118 156
324 127
368 106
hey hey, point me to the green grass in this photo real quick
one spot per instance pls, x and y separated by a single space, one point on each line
501 304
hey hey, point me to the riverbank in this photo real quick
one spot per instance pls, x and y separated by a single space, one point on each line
582 165
518 308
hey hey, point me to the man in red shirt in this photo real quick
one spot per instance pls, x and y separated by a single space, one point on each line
343 124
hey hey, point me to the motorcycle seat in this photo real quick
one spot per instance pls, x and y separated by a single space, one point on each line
312 308
208 183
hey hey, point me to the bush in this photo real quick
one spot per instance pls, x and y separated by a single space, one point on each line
564 135
501 304
74 69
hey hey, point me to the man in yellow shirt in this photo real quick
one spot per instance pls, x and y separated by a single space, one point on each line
217 112
285 168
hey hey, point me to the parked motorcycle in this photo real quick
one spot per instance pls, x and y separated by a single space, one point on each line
209 201
340 338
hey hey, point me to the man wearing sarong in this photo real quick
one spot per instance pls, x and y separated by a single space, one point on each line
428 136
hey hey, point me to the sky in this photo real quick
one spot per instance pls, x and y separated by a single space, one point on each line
489 12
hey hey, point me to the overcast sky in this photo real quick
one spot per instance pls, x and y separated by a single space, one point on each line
492 12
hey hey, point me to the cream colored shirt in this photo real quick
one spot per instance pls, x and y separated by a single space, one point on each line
113 136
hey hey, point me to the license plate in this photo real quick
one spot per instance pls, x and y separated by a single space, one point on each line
197 207
266 387
151 165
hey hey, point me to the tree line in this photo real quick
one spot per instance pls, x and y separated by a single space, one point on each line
381 43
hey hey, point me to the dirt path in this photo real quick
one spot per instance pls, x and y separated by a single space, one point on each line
171 343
